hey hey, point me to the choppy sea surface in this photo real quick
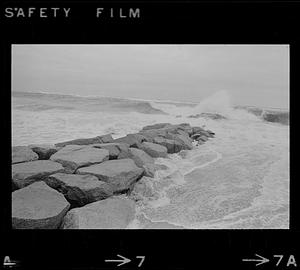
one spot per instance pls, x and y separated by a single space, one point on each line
237 180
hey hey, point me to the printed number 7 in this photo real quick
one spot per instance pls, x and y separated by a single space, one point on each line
142 260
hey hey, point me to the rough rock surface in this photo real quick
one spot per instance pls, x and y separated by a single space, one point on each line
134 140
87 141
24 174
38 206
173 146
214 116
120 173
111 213
185 141
110 147
114 149
143 160
73 157
154 150
202 138
23 154
106 138
156 126
79 189
44 151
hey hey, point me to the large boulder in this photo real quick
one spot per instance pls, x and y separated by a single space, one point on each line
24 174
173 146
38 206
44 151
143 160
202 138
112 149
107 138
152 133
198 130
23 154
185 141
79 189
156 126
134 140
111 213
212 134
87 141
178 129
115 149
154 150
73 157
120 173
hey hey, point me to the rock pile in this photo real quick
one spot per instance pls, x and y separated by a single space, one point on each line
77 184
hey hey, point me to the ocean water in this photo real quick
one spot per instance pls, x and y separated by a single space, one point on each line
237 180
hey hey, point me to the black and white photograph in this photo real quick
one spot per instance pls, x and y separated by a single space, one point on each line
150 136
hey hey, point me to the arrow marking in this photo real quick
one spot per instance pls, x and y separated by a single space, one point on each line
260 261
123 261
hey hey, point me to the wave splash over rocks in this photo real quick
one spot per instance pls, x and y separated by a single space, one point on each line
238 179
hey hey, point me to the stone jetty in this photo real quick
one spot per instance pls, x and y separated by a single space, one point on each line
85 183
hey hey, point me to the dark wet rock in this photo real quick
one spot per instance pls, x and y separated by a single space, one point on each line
24 174
23 154
185 133
173 146
106 138
110 147
38 206
143 160
196 136
44 151
212 134
154 150
202 138
165 129
134 140
73 157
184 127
111 213
79 189
276 117
124 150
214 116
156 126
198 130
148 137
186 142
120 173
154 132
85 141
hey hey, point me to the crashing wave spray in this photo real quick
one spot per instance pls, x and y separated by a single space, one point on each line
219 102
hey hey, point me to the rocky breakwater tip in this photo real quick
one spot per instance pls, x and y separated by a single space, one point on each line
65 184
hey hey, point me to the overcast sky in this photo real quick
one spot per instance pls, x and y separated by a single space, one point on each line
252 75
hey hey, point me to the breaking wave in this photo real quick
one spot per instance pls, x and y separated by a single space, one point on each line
217 106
